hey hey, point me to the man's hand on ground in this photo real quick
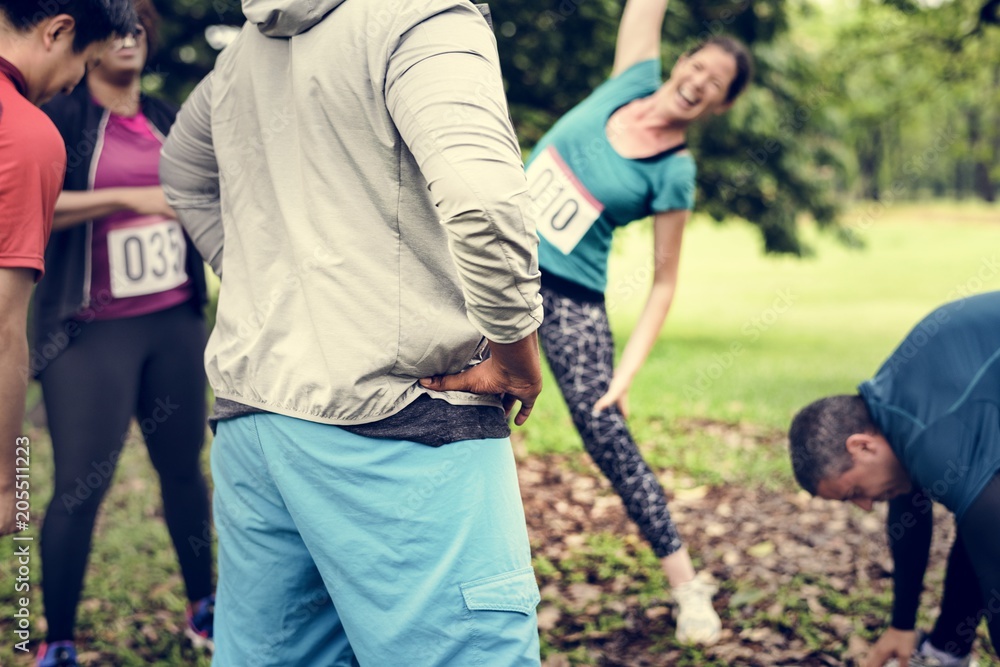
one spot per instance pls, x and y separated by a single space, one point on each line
898 644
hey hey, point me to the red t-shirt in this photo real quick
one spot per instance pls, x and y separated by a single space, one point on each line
32 168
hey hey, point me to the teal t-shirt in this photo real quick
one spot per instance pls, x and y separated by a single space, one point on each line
937 400
581 188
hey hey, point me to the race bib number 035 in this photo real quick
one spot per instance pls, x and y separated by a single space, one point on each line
563 208
146 260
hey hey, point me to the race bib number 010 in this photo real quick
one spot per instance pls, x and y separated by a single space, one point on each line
146 260
564 210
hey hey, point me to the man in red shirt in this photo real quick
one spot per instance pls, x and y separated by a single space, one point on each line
45 49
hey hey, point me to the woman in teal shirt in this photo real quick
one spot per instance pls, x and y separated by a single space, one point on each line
617 157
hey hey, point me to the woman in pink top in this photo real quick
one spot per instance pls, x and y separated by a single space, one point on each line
119 334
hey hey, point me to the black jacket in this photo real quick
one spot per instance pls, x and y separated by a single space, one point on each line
64 293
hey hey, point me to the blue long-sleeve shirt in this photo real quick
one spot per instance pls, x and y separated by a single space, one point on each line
937 400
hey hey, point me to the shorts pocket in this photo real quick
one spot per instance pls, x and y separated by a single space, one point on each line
511 591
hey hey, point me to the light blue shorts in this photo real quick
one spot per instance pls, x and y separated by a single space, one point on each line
335 549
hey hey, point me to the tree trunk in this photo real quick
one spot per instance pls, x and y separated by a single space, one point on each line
981 183
870 161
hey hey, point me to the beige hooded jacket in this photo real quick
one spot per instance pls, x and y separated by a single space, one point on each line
354 165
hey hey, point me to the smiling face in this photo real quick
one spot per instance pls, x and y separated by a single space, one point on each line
876 475
698 84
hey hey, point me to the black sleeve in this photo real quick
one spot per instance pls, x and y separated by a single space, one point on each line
161 113
909 526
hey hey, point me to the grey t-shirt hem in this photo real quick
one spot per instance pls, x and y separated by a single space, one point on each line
426 420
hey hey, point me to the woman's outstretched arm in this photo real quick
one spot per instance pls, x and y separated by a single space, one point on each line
668 231
639 33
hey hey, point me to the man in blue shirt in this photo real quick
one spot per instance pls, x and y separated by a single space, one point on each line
926 428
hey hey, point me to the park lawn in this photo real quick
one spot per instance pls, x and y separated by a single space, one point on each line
751 338
804 328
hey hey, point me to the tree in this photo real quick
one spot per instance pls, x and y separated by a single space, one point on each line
922 113
766 161
872 105
185 55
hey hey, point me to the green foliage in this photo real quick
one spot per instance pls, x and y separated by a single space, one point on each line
771 159
883 99
846 311
764 164
921 115
767 161
185 55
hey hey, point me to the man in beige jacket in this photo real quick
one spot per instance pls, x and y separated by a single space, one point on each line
352 167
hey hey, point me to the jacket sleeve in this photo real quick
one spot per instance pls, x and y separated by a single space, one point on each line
190 176
444 92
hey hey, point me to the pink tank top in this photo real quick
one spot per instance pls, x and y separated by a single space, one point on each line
138 262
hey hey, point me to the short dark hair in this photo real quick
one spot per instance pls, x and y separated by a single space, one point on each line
740 53
96 20
149 18
817 439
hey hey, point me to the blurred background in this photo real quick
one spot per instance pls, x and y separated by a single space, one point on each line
848 193
887 100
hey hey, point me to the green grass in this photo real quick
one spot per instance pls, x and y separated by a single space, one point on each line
848 309
842 313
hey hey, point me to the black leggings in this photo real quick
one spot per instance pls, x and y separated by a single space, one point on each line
955 631
910 530
980 532
578 345
149 367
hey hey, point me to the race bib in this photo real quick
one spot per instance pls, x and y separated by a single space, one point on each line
146 260
562 207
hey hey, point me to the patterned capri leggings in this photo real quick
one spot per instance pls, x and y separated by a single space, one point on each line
577 341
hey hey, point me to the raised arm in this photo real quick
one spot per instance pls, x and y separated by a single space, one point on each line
639 33
668 231
190 175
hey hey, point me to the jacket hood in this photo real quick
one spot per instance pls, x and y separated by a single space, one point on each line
285 18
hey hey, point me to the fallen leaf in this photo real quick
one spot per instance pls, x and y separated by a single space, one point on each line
548 617
583 594
696 493
762 549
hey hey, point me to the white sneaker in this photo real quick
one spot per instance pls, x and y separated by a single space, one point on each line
926 655
697 621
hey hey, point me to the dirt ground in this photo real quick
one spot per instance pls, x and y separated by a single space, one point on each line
800 578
